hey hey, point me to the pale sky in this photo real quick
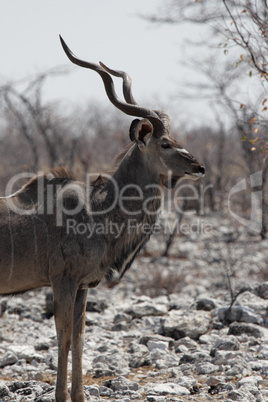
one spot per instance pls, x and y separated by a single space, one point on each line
110 31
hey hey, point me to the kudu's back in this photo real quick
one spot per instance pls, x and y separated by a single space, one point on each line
34 242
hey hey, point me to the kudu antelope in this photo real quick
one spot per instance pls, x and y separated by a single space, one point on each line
39 246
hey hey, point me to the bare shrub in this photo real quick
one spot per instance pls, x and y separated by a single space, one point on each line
159 282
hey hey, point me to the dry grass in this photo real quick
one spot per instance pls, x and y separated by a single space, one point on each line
159 283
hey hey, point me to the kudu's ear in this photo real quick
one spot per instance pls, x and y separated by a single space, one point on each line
141 131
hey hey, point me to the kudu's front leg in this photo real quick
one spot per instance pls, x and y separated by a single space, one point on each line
77 393
64 299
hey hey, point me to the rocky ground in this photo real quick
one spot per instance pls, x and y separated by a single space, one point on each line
166 332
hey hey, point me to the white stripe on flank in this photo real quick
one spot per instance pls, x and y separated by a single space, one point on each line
11 195
11 243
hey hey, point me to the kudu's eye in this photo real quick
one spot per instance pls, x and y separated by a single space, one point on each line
165 145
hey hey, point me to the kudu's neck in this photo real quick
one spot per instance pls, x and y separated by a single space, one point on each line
134 197
135 169
132 191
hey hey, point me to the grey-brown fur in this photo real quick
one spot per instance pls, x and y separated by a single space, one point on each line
39 249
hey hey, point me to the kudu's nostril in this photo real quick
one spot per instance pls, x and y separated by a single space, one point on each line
202 169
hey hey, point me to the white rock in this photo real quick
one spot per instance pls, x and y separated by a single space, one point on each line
186 381
122 383
251 380
168 388
179 325
8 359
239 314
223 357
157 345
147 308
94 391
24 352
206 368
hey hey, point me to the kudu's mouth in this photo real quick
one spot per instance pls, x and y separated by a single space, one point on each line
196 175
172 181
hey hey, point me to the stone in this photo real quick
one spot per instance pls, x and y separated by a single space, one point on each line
181 349
205 304
157 354
201 356
94 391
235 396
143 309
193 324
239 314
237 328
156 338
102 370
230 343
122 317
26 352
105 391
214 380
239 367
263 352
152 398
224 357
120 326
262 290
139 356
208 339
51 361
167 389
253 381
31 390
206 368
41 346
96 306
157 345
4 391
186 381
187 342
121 384
8 359
220 387
187 358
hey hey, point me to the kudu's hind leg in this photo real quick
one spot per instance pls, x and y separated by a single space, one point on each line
77 393
64 299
